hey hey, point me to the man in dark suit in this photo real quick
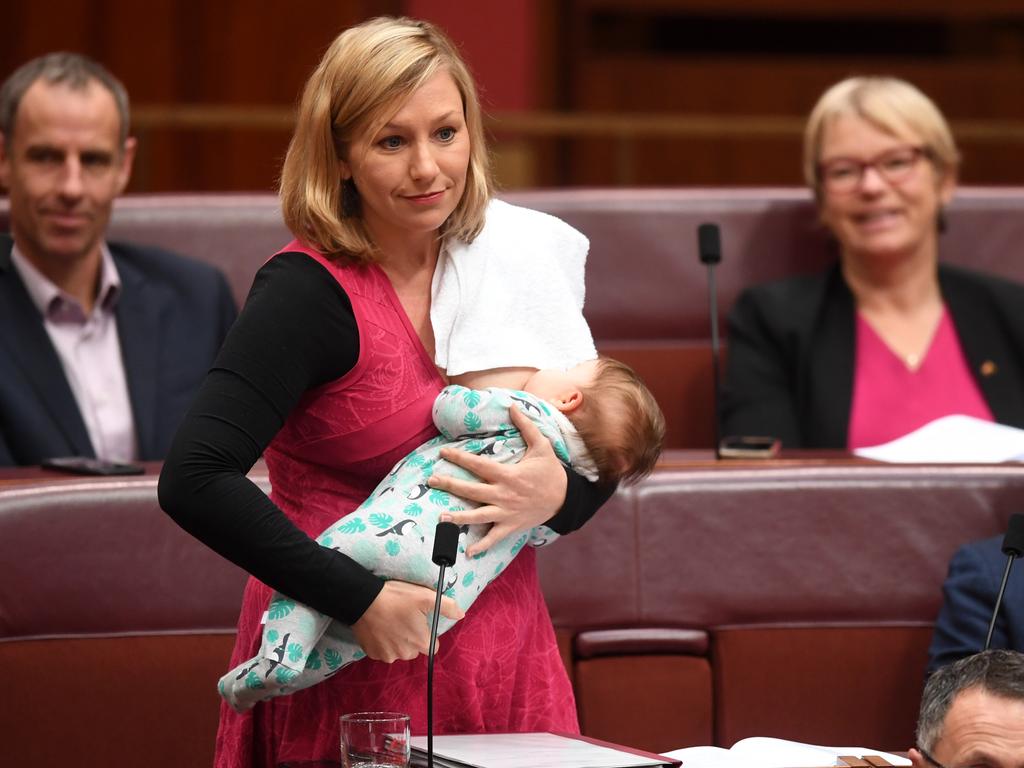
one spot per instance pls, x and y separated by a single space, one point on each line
102 346
969 597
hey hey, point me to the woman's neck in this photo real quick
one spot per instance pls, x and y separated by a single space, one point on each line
405 258
901 301
409 263
893 285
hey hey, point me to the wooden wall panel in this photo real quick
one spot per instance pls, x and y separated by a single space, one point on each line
632 57
245 53
976 98
255 54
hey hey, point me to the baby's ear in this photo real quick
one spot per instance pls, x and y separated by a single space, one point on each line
569 400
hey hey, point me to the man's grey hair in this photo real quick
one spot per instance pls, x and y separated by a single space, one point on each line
996 672
71 69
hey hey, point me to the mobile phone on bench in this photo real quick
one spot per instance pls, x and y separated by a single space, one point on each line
84 465
749 447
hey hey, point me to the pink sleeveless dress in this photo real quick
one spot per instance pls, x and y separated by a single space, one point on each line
498 670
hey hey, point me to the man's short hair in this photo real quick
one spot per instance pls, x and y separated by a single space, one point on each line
996 672
71 69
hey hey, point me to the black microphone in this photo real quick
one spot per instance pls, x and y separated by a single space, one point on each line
446 549
709 247
1013 547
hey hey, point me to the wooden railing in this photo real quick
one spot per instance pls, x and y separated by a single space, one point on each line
632 126
625 133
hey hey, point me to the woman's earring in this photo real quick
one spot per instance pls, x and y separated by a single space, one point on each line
349 199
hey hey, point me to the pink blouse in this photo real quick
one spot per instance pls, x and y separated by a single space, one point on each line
890 400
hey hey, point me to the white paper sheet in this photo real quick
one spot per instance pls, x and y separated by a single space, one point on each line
952 440
765 752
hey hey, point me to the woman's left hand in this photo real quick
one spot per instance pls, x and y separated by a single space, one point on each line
514 497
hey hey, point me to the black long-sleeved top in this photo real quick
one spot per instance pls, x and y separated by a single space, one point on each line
297 331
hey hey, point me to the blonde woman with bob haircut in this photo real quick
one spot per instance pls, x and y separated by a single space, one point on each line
887 339
346 339
349 94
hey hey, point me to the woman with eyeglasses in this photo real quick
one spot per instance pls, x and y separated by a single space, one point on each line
887 339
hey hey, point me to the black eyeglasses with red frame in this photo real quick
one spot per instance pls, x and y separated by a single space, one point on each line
842 175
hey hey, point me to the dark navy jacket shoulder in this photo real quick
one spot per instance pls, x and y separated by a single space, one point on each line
969 597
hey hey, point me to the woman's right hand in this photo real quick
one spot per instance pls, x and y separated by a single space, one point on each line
396 624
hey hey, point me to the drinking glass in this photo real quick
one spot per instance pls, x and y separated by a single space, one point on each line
375 740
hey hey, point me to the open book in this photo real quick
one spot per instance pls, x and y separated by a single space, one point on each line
952 440
764 752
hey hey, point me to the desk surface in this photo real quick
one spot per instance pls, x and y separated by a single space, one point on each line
20 476
671 460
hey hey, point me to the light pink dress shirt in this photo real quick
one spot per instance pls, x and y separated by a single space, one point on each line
90 353
890 400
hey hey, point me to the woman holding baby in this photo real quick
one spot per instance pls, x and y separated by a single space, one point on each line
330 375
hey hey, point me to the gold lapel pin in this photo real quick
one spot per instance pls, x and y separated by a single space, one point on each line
988 368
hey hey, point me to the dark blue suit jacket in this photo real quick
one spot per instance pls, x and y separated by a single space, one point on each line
172 315
970 590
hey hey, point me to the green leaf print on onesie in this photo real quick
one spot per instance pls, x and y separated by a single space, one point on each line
381 520
333 658
352 525
252 680
280 608
561 451
472 421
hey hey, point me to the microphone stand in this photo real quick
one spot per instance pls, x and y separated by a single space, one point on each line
716 375
1013 547
446 545
709 248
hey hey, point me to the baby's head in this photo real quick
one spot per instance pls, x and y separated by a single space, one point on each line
615 414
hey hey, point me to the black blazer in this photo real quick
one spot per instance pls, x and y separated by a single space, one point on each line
791 350
969 597
172 315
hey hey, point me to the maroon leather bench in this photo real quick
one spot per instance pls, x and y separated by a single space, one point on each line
114 627
701 606
792 600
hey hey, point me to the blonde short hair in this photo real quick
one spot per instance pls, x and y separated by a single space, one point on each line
891 105
361 81
620 422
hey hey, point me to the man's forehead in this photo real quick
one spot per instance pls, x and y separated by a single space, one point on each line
982 723
53 113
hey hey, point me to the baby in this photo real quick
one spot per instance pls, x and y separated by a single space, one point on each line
600 419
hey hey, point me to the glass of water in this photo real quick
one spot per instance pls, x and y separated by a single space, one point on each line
375 740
